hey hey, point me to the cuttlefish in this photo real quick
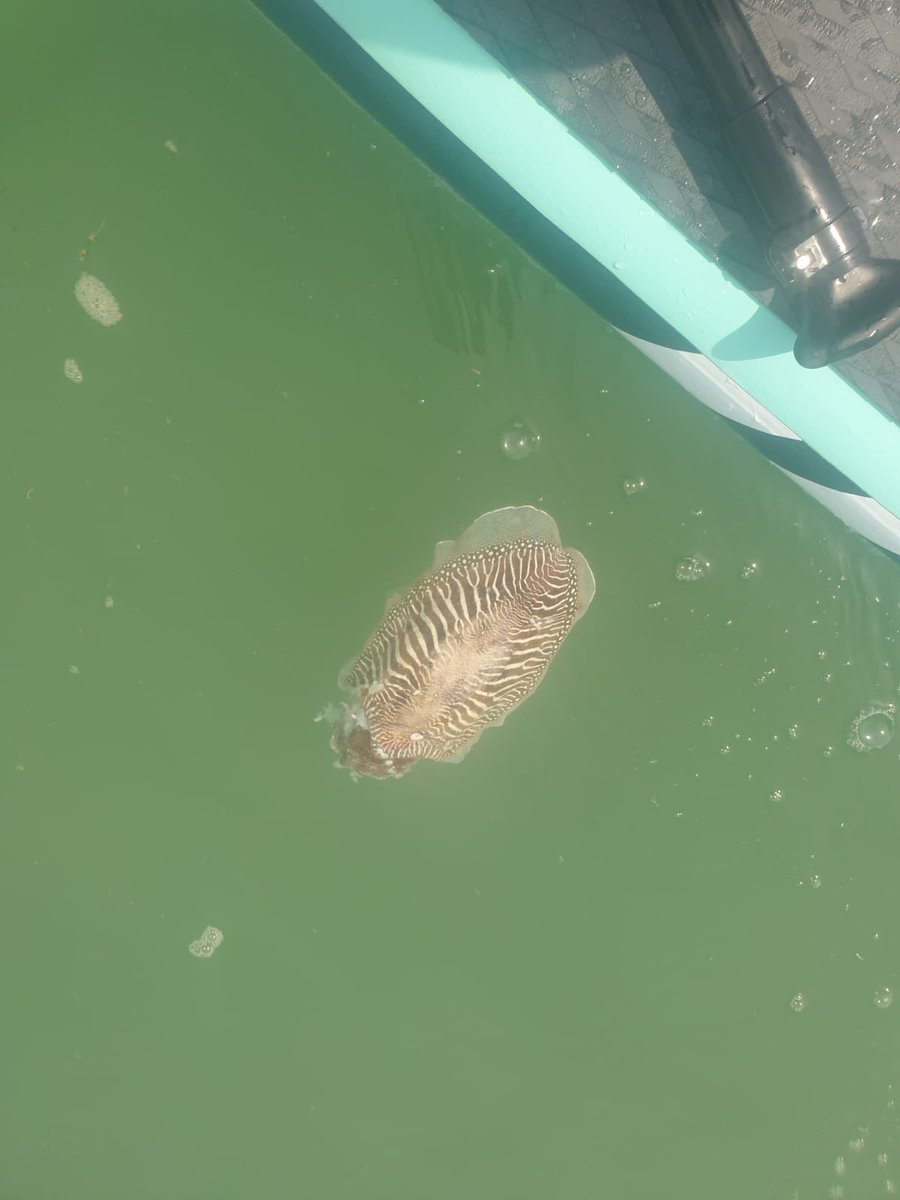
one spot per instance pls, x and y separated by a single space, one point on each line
462 647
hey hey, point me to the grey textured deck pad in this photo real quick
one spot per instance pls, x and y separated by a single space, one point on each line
612 71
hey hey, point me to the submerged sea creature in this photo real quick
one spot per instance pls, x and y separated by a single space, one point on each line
463 647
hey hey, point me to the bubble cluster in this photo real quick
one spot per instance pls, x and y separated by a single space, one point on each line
633 487
207 943
72 371
749 569
97 300
798 1002
872 727
691 568
519 440
883 998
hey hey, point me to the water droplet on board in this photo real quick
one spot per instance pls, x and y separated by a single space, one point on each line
519 440
873 727
883 998
691 568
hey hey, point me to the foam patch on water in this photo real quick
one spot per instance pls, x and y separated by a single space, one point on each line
97 300
207 943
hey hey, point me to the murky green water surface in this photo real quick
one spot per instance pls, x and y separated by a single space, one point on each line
643 941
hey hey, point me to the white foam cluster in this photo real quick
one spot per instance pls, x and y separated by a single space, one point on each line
97 300
207 943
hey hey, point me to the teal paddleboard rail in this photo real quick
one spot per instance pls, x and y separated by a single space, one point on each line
470 93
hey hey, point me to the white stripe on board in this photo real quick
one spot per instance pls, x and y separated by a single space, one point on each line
709 383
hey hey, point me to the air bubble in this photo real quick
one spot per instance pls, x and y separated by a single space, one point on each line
519 440
207 943
815 881
873 727
883 998
632 487
691 568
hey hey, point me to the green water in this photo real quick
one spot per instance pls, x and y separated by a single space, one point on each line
562 969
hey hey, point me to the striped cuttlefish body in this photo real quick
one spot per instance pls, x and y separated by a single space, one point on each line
463 647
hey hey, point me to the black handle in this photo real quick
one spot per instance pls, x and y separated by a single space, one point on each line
845 299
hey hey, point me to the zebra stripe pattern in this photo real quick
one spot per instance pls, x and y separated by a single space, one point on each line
463 647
